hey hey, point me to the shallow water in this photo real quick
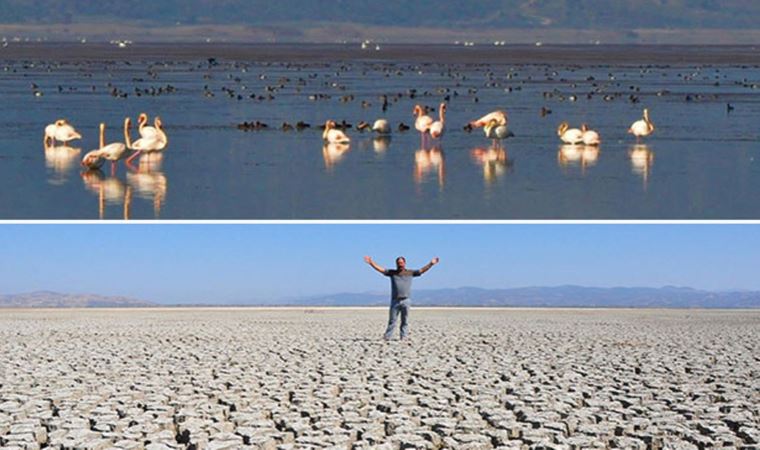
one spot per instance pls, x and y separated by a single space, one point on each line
702 161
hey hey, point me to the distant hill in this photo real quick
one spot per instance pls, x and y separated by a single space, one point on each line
45 299
475 14
550 297
561 296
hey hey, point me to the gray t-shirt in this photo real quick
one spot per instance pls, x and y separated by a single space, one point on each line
401 282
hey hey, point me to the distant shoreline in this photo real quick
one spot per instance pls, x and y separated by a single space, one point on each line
357 32
604 55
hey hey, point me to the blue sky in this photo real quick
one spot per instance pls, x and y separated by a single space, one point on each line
234 263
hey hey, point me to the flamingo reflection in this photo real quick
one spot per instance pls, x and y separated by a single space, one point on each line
585 156
426 161
494 160
60 160
642 161
110 191
381 144
148 181
333 153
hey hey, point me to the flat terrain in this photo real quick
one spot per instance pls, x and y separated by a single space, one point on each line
302 378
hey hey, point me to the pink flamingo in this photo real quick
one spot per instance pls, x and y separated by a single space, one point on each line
439 126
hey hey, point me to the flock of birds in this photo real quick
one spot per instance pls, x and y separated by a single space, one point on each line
153 139
494 124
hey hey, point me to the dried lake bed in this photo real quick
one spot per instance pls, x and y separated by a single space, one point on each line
320 378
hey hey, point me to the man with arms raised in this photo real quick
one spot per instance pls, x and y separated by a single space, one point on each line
401 290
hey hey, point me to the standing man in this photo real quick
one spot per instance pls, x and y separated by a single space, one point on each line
401 290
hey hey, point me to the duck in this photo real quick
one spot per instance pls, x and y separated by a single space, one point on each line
333 135
642 128
590 137
569 135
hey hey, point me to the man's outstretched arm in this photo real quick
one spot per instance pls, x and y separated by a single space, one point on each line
374 265
429 265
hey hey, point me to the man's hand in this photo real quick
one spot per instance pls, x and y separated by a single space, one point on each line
432 262
374 265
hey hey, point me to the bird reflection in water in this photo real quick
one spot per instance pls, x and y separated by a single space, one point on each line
642 161
61 160
333 153
148 181
585 156
381 144
110 191
426 161
494 160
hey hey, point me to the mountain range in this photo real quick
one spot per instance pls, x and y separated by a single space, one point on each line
559 296
611 21
47 299
604 14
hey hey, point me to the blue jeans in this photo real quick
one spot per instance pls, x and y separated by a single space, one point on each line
398 307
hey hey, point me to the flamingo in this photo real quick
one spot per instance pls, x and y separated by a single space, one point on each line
146 145
496 131
333 135
145 130
60 131
438 127
642 128
112 152
381 127
500 117
569 135
590 137
423 121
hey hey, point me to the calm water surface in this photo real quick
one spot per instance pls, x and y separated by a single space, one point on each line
702 162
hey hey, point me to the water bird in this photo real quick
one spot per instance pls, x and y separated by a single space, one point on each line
381 127
145 130
402 127
60 131
500 117
157 143
423 121
334 136
113 152
497 131
590 137
438 127
569 135
642 128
